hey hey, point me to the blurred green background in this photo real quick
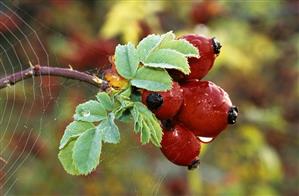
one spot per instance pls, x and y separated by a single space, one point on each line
258 66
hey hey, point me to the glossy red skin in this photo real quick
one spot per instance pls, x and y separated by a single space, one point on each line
205 108
180 146
172 102
200 66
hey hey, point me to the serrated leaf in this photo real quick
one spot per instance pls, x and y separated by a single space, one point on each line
146 124
125 102
145 134
87 151
135 115
152 43
109 130
65 158
124 95
125 116
153 79
157 133
168 58
90 111
105 100
123 112
165 38
181 46
73 130
146 45
126 60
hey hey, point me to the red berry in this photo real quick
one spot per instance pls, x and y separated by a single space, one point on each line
208 49
207 109
180 146
165 105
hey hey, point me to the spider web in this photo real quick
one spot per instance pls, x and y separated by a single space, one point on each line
30 110
18 137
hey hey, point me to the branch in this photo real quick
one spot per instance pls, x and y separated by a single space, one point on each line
38 70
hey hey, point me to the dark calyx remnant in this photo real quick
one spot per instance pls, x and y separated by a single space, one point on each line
216 45
195 163
167 124
232 115
154 101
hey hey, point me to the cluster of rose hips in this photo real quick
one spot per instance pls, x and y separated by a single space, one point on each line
192 108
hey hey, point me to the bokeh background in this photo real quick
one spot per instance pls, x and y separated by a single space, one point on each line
258 67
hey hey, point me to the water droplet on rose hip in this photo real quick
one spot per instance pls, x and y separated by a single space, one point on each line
85 113
205 139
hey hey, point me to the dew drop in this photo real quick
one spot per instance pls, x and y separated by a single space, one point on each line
85 113
205 139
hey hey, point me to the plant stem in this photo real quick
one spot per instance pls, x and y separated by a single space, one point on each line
38 70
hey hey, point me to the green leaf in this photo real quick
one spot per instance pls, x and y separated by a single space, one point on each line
73 130
105 100
124 95
145 134
135 115
87 151
152 43
124 116
65 157
168 58
127 92
153 79
90 111
146 45
124 104
121 113
126 60
181 46
109 130
157 130
146 124
165 38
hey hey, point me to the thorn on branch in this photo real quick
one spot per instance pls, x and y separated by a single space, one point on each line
36 69
30 64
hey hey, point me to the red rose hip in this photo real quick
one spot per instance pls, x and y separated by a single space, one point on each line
208 48
180 146
165 105
207 109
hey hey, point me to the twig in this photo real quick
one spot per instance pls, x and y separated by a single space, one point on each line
38 70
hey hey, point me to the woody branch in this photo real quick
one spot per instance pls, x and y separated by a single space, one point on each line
37 70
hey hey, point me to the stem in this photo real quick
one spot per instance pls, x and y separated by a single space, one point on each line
38 70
